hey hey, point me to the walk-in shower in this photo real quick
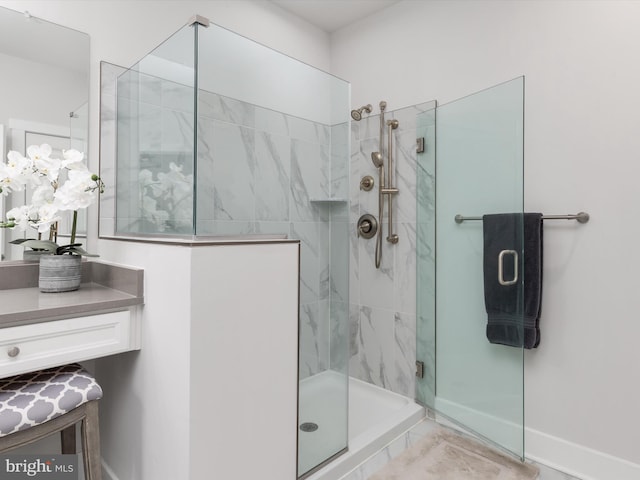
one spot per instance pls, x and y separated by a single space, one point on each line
193 147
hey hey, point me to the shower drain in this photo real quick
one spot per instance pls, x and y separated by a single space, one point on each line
309 427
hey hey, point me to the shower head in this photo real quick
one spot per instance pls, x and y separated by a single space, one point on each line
357 114
376 158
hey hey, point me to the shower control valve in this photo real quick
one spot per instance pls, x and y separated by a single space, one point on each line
367 226
367 183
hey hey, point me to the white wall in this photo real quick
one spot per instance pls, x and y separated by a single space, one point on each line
184 406
145 410
33 85
581 153
244 369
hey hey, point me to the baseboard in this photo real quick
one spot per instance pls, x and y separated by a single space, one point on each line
571 458
577 460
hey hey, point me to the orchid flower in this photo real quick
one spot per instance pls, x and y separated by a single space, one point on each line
21 217
50 196
14 174
166 200
77 191
47 216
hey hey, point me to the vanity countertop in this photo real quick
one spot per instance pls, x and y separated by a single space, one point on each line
105 287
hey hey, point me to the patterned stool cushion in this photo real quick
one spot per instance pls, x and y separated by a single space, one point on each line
33 398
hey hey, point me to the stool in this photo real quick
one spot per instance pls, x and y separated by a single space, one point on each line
37 404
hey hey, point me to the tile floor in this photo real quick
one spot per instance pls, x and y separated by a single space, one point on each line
409 438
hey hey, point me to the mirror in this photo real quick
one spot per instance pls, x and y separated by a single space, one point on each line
44 93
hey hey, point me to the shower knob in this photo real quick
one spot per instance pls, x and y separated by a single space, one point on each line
367 226
367 183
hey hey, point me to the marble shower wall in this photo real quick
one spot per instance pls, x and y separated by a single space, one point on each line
153 131
259 172
382 306
264 172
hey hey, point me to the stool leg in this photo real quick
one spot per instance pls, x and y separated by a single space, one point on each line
91 442
68 440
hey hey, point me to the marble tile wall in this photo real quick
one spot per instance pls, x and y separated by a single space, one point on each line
154 129
258 172
382 306
274 173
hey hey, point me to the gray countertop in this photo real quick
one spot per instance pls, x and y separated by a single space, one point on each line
105 287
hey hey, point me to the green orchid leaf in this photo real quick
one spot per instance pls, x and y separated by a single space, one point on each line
74 249
47 245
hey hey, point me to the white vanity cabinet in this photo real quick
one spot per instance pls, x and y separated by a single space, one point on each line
40 330
26 348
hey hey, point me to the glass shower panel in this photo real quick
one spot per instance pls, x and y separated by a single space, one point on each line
273 159
426 258
155 147
270 138
478 384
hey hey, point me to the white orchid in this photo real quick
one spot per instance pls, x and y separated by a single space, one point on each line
150 211
14 174
77 191
21 216
43 195
72 159
47 216
36 152
166 199
42 172
48 168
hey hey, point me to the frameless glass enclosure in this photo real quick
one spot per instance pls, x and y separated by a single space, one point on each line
218 136
479 165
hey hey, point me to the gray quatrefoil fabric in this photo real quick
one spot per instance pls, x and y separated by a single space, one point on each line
33 398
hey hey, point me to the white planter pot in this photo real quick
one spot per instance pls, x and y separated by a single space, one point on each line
60 273
33 256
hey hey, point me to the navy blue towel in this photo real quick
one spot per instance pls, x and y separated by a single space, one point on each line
513 311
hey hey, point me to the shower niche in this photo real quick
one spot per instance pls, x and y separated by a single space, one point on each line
214 137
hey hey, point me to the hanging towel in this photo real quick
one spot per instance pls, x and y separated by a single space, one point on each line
513 311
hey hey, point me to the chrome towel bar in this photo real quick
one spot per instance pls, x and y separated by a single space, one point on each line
581 217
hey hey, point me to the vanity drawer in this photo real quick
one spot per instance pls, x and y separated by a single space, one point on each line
31 347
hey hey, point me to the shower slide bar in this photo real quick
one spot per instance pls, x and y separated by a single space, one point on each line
581 217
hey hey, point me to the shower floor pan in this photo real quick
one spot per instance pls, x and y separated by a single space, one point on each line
376 417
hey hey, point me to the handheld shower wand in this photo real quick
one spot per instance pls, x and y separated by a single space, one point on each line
378 161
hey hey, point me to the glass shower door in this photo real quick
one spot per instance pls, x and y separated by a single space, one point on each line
479 170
